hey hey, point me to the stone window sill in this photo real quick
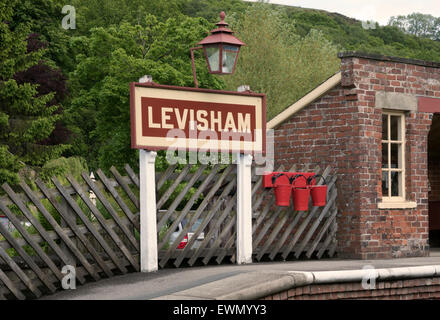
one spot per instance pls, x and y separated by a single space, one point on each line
397 205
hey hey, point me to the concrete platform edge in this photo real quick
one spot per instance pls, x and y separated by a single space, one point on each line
256 285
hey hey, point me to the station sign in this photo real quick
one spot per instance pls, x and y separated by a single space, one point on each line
193 119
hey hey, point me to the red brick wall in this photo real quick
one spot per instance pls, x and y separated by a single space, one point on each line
426 288
344 129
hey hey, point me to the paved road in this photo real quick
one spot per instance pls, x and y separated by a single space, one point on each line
143 286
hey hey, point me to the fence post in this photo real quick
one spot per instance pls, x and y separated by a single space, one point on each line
148 213
244 204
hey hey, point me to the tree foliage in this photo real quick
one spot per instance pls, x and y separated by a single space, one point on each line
278 62
27 116
107 61
418 24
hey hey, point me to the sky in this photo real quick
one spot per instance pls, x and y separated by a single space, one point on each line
376 10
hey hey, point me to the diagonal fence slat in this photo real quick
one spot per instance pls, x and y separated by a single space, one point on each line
173 187
228 229
26 236
36 224
281 242
210 215
73 226
133 177
118 198
118 242
125 187
11 286
19 272
321 233
92 230
211 233
66 240
60 231
229 243
180 197
26 257
283 218
315 224
197 214
188 206
101 197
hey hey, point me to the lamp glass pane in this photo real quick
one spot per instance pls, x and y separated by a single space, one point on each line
228 58
212 52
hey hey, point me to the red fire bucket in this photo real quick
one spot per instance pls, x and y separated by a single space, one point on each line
282 194
301 195
319 193
283 191
301 198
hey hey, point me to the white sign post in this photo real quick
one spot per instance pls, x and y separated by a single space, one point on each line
244 204
244 209
148 212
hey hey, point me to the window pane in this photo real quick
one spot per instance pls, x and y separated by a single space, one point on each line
384 155
213 57
395 128
384 127
396 183
228 60
385 184
396 156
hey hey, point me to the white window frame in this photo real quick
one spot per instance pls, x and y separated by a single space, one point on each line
389 201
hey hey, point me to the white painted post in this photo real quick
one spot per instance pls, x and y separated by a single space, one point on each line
244 209
148 212
244 205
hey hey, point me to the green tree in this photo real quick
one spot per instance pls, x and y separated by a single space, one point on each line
44 17
278 62
26 117
418 24
105 13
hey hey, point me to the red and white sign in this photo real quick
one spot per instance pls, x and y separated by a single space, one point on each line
164 117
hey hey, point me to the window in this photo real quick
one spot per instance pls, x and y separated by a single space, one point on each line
393 156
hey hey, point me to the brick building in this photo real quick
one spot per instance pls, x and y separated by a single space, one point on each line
377 122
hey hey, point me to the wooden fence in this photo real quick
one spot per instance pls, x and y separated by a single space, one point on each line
64 225
59 226
280 232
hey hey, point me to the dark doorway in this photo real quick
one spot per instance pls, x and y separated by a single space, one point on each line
434 182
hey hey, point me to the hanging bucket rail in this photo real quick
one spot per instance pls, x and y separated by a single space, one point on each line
300 195
290 185
319 193
285 178
283 190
